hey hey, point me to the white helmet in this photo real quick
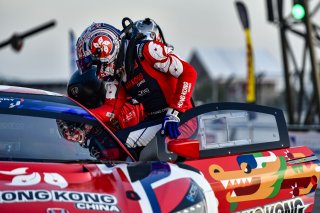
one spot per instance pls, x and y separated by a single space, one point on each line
98 45
150 29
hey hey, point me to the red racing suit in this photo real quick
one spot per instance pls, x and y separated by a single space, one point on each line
117 112
159 79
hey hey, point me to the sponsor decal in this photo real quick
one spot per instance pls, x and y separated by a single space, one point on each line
141 82
74 91
136 80
158 111
21 178
97 207
56 210
110 115
143 92
11 102
185 89
193 193
129 116
295 205
112 88
82 200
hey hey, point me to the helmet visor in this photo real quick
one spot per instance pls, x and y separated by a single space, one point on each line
103 68
86 63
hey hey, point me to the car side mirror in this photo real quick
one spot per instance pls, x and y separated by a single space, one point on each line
188 148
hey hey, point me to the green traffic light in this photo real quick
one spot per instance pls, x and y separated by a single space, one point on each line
298 11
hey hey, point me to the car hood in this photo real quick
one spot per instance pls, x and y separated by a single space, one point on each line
54 187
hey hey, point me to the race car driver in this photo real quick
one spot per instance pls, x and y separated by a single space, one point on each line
155 76
107 99
92 138
96 83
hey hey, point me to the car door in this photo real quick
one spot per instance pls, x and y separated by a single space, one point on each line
243 151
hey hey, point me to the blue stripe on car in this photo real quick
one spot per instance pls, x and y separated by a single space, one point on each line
159 171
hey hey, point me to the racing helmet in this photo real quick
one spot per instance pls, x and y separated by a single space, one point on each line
73 131
98 45
150 29
91 137
87 88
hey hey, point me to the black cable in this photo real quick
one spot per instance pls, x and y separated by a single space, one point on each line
161 34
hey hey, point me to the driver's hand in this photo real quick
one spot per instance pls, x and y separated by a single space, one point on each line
170 124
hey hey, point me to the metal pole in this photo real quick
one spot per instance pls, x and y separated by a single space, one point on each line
31 32
314 67
282 27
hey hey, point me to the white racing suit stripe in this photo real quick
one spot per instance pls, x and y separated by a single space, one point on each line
143 136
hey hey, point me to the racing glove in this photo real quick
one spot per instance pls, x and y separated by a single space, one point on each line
170 124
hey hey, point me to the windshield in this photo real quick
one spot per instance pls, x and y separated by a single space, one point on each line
40 130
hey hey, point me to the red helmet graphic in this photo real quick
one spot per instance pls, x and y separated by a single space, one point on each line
103 43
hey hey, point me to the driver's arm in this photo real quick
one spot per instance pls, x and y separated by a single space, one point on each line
130 115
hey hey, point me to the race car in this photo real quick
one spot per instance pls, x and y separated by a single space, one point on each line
55 156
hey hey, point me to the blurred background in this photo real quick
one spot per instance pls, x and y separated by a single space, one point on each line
195 28
206 33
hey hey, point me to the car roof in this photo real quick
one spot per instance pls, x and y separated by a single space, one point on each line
25 90
55 98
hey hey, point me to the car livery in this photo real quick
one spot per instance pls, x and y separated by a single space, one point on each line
41 171
36 187
231 157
